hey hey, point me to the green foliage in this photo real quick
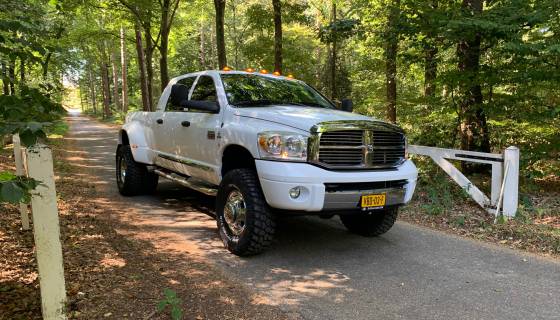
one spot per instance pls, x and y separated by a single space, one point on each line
338 30
28 114
14 189
170 299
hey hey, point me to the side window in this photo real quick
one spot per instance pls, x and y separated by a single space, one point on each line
204 90
187 82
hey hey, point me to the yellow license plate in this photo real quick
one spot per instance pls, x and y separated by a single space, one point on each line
373 200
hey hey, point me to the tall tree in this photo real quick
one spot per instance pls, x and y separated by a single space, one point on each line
168 9
146 102
333 54
106 91
220 7
277 6
430 52
5 82
391 47
12 75
124 73
473 128
92 86
115 73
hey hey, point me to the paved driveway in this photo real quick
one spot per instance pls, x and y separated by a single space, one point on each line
318 270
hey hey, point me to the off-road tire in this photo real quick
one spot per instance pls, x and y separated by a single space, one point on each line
260 222
371 224
138 179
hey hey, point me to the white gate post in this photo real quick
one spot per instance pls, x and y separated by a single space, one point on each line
20 172
47 233
511 188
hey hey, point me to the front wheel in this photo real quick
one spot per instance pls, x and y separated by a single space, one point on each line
133 178
371 224
245 222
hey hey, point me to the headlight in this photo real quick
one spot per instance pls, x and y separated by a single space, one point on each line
283 146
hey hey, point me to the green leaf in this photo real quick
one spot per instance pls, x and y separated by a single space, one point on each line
161 305
176 313
169 294
7 176
12 192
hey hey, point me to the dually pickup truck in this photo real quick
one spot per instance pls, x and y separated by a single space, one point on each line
267 145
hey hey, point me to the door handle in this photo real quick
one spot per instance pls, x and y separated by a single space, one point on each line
186 123
159 121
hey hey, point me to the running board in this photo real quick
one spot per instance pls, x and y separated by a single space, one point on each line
188 182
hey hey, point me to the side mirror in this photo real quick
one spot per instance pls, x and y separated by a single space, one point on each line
347 105
202 105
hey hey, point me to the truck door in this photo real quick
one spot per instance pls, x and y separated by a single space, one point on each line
197 141
169 129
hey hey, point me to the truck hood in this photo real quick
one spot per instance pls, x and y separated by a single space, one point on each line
302 118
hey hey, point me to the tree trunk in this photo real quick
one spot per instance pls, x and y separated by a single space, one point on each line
12 75
333 57
473 127
5 83
430 62
124 73
277 35
430 70
106 91
220 6
148 55
142 70
391 47
92 90
202 50
21 73
115 80
45 66
164 44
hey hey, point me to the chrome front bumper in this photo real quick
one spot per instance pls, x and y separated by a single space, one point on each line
323 190
351 199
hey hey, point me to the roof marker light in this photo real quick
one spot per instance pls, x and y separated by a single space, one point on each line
276 73
291 76
249 70
264 71
226 68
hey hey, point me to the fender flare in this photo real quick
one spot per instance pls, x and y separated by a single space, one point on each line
135 135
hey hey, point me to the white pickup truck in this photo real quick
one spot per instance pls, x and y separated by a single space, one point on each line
267 145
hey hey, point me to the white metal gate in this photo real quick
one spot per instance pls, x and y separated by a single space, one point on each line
505 175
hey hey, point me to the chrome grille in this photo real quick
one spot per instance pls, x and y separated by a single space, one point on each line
342 148
355 149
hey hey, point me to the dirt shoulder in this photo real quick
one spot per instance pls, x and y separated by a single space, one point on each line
440 204
114 267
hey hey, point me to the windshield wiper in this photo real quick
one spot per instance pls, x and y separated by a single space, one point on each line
262 102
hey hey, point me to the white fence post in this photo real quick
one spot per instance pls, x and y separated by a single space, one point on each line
47 233
511 187
23 210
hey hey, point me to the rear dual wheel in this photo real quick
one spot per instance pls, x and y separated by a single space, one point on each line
371 224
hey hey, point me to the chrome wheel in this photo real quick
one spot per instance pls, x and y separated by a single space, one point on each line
235 212
122 170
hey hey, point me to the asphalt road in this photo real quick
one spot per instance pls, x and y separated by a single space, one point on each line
318 270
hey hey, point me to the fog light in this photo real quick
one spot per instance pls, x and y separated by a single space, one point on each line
295 192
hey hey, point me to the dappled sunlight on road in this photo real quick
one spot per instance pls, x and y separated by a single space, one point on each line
315 267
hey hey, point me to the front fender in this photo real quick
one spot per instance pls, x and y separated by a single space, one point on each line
138 136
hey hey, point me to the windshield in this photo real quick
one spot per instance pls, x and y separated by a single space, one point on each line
244 90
